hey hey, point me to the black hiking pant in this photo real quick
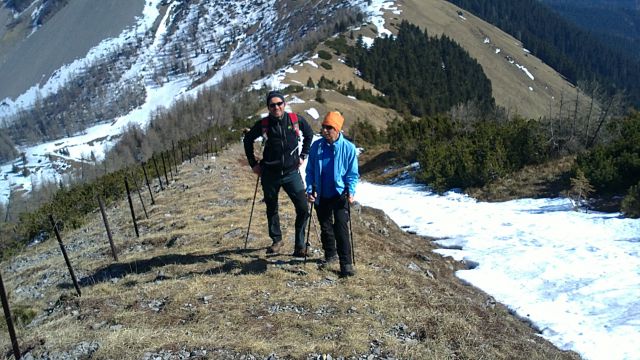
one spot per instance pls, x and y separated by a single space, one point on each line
333 215
292 184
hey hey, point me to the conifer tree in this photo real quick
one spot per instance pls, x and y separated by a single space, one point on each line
580 189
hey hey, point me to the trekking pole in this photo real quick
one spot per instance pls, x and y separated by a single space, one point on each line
311 219
353 247
315 227
251 216
308 231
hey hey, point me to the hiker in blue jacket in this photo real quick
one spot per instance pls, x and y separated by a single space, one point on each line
331 176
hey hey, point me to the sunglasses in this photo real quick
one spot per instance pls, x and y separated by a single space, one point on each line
327 127
273 105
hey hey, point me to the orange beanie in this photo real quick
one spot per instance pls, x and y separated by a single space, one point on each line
334 119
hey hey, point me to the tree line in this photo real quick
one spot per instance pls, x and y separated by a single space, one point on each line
419 74
94 95
613 22
465 154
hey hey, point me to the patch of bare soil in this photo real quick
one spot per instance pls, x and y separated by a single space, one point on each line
187 288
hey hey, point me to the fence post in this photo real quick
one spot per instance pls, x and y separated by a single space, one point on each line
106 225
155 165
133 214
135 182
64 254
7 316
168 163
173 155
144 170
173 161
189 153
164 167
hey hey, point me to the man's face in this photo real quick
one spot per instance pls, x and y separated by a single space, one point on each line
276 107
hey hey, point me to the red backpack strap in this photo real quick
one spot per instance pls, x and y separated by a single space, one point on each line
265 127
294 122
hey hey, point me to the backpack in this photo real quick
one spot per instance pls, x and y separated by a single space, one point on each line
294 122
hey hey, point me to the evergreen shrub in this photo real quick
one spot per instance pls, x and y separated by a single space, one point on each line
324 55
364 134
614 167
631 203
455 156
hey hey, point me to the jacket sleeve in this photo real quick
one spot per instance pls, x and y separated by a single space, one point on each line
249 138
352 176
307 135
310 175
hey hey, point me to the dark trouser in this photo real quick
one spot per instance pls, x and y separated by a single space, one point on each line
293 186
334 217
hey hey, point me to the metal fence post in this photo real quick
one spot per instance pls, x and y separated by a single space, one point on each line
106 225
133 214
64 254
7 316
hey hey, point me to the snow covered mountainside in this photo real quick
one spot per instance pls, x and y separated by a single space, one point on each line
175 49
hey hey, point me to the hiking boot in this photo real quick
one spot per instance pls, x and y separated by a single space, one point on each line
328 261
347 270
275 247
300 252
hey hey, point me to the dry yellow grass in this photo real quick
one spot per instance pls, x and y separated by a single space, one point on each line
187 284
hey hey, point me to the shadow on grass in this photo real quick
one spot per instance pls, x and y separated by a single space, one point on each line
120 270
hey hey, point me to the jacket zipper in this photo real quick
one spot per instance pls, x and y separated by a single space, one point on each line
284 141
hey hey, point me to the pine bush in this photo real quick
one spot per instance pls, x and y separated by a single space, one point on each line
631 203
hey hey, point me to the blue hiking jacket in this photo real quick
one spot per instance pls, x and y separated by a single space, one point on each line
345 166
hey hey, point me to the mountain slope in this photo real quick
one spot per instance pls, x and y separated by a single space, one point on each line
69 35
175 51
616 23
521 83
187 289
575 53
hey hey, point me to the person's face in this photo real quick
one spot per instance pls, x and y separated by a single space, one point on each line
329 133
276 107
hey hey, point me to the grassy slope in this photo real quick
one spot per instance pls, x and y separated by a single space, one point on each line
186 283
510 85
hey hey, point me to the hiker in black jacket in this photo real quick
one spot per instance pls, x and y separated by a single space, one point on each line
281 158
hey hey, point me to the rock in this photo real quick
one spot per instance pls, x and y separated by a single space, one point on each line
99 325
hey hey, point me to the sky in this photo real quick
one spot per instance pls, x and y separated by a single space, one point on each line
573 275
